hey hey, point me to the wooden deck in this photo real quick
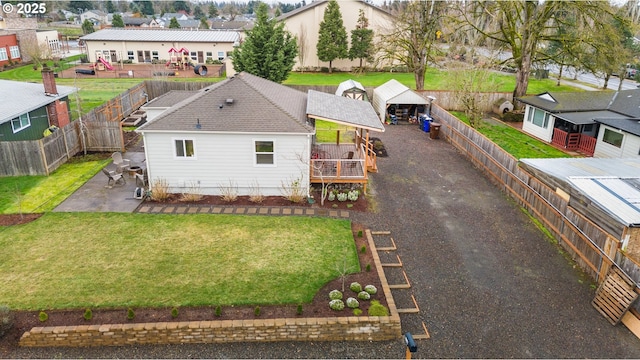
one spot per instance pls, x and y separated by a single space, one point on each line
338 163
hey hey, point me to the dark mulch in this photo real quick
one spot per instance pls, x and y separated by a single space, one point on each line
378 147
17 219
319 307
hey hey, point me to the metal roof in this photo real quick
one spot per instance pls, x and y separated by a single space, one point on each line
160 35
613 184
343 110
349 85
21 97
393 92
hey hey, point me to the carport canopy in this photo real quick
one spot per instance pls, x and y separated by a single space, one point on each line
342 110
393 92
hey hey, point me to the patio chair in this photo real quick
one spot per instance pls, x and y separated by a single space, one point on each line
120 163
114 177
349 156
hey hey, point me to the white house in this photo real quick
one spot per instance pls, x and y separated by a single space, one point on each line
596 123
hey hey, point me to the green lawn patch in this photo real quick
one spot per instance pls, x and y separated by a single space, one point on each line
327 132
516 143
35 194
96 260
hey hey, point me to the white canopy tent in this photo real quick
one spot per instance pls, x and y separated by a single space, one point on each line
394 93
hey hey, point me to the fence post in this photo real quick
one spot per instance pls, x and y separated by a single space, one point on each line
44 156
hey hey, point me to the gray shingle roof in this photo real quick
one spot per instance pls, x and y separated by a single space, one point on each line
259 106
631 126
162 35
627 102
571 101
21 97
342 109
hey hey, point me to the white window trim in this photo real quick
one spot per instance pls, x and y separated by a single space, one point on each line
615 132
188 158
255 153
3 54
15 52
21 127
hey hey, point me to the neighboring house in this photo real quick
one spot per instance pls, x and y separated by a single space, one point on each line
189 24
146 45
28 109
219 24
305 22
9 49
136 22
49 38
596 123
168 16
248 134
97 17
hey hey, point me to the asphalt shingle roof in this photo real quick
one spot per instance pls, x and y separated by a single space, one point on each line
162 35
344 110
21 97
259 106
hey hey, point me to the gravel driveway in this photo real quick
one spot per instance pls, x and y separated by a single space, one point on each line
488 283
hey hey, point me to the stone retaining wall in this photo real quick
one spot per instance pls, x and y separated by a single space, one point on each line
353 328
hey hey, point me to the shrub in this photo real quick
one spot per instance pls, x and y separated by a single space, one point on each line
130 314
43 316
359 233
336 305
513 117
218 311
357 312
331 196
299 309
349 206
255 195
174 312
377 309
192 194
363 295
363 249
6 320
353 303
342 196
228 193
335 295
160 190
293 191
368 268
88 314
353 195
256 311
370 289
355 287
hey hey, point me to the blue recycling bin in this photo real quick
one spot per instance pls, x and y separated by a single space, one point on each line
426 121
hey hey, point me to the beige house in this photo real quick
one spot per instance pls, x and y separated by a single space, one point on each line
150 45
304 23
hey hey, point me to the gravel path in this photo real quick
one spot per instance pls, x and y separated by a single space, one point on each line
488 283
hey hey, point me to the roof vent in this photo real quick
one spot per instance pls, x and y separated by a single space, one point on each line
229 101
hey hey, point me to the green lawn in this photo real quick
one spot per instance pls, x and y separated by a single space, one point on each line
36 194
78 260
518 144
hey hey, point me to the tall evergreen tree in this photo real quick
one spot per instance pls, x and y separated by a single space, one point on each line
173 23
87 27
332 39
204 25
213 11
145 6
361 40
197 12
268 51
110 7
117 21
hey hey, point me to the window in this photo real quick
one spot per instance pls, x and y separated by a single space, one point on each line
3 54
538 117
20 123
612 137
130 55
209 55
15 52
264 153
194 56
220 55
154 55
185 149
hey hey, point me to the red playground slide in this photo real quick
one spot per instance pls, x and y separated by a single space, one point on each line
106 64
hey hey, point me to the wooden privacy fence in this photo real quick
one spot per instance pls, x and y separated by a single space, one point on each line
593 249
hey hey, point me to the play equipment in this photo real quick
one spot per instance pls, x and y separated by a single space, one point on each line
180 59
105 63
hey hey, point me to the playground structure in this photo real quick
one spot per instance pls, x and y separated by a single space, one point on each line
180 59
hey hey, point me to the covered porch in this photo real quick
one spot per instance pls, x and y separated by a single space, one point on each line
343 161
575 131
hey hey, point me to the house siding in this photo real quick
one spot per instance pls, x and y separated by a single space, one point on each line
630 147
6 42
39 122
224 158
122 48
537 131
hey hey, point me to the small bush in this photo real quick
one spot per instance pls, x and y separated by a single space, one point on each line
355 287
299 309
193 193
335 295
256 311
342 196
218 311
160 190
370 289
363 249
131 314
6 320
513 117
353 303
357 312
349 206
363 295
377 309
228 193
293 191
353 195
43 316
174 312
88 314
368 268
255 195
359 233
331 196
336 305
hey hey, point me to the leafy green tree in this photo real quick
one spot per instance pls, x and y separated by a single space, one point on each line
197 12
110 7
332 38
361 40
87 27
212 11
79 6
173 23
204 25
117 21
268 51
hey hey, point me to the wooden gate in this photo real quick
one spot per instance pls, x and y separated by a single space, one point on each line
615 296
